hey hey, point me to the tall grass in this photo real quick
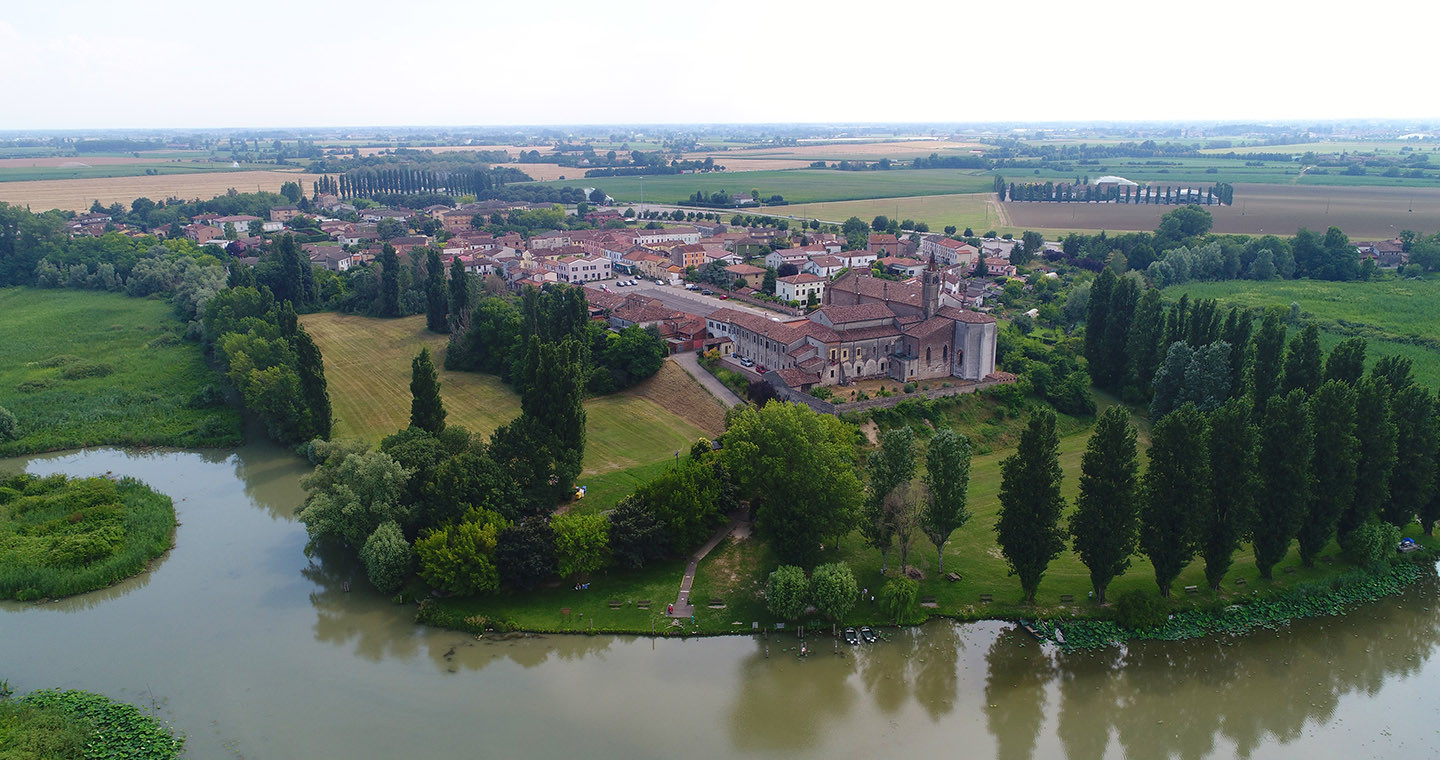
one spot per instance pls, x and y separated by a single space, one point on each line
61 536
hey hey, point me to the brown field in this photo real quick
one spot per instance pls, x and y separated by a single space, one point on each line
547 172
1362 212
58 161
735 164
77 194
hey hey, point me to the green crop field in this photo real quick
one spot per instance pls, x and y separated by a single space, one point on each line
796 185
1398 317
25 174
86 368
975 210
367 368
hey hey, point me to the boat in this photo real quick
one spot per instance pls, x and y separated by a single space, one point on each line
1030 628
851 637
868 634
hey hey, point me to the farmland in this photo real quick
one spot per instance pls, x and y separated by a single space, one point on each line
979 211
797 185
367 367
1397 316
840 151
80 169
77 194
86 368
1362 212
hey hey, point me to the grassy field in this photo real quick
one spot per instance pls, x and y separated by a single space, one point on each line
1396 316
60 537
77 194
83 368
367 366
797 185
975 210
106 171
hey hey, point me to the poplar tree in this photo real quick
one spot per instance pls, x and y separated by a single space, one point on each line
1105 523
890 466
1236 332
389 282
1028 529
1095 317
1117 332
459 297
1346 361
1285 452
1142 347
310 366
1177 487
1234 480
1413 479
437 302
427 412
1332 417
947 480
1375 460
1265 370
1302 362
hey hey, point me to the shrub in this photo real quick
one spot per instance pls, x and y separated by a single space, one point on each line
9 428
787 592
206 397
35 385
1138 610
1371 543
58 360
897 596
83 370
387 557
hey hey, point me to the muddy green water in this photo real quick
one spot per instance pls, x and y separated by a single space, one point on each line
255 651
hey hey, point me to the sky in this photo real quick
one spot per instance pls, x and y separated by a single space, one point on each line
85 64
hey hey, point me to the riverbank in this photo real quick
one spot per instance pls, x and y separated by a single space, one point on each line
51 723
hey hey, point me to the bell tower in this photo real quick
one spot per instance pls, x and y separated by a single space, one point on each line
930 289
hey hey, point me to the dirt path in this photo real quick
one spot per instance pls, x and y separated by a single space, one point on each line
1000 211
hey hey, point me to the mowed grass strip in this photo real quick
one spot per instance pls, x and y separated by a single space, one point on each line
367 367
87 368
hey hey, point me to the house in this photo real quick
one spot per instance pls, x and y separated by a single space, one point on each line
997 248
642 311
551 239
408 243
687 235
202 233
946 252
856 259
749 274
795 257
582 268
377 214
883 245
800 287
651 265
825 265
331 257
283 213
902 267
999 268
716 253
1389 253
688 255
241 222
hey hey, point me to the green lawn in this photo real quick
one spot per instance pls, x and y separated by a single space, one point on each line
86 368
796 185
1396 316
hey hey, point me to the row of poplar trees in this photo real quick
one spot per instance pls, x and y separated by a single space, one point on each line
1278 444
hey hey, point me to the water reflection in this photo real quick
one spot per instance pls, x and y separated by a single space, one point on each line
787 703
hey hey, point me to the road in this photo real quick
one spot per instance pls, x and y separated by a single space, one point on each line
717 389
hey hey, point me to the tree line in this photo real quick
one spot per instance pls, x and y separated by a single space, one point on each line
1222 193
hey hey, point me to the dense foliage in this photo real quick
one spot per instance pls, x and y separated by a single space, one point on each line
51 723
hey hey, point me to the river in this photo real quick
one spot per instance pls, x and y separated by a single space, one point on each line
255 651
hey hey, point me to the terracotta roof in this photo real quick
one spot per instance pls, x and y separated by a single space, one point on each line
776 331
965 315
930 326
874 287
796 377
839 315
801 279
744 270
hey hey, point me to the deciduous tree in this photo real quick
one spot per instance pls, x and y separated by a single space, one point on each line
787 592
1413 478
833 590
947 485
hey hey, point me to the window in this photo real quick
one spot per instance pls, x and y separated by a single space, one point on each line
832 355
945 353
927 354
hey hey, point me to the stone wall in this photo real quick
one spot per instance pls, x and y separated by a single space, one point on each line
786 393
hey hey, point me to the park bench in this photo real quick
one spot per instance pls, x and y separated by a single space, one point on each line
614 604
1192 589
928 601
987 597
952 577
1067 598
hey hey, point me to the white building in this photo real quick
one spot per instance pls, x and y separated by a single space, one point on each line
798 287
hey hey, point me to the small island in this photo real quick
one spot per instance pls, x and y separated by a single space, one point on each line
61 536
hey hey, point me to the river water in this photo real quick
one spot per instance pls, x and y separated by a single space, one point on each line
255 651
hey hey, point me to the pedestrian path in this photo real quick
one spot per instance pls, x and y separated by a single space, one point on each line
687 360
738 525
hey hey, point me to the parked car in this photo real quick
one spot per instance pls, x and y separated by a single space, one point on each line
746 362
691 286
724 296
707 292
659 282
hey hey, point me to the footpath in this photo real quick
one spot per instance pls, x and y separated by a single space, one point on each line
691 364
740 527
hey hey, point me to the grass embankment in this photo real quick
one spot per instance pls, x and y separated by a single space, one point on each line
367 367
76 724
60 537
736 571
1397 317
85 368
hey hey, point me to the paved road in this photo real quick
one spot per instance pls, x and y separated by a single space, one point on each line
717 389
738 526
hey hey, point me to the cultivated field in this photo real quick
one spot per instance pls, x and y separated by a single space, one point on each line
511 149
547 172
1362 212
77 194
79 170
367 367
797 185
1391 314
86 368
838 151
1378 147
73 161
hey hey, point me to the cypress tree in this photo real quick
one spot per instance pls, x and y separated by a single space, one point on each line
1285 474
1237 333
437 302
1234 479
1413 479
1142 347
1104 525
1177 489
554 398
291 270
1265 370
286 320
1177 325
1346 361
427 412
389 282
1028 529
1302 362
459 297
1375 446
311 368
1332 417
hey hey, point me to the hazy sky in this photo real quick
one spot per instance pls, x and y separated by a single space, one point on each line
83 64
